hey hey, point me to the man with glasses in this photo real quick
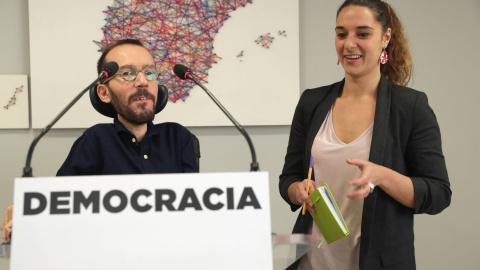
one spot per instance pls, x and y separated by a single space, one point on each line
132 144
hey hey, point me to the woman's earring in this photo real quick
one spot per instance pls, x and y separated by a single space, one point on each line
384 57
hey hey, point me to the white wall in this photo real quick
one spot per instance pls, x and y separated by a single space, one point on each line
444 37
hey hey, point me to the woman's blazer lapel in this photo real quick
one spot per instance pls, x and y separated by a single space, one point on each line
318 116
377 150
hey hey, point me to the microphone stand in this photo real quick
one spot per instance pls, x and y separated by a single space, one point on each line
27 171
254 166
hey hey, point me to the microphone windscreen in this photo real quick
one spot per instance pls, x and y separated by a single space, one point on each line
110 68
181 71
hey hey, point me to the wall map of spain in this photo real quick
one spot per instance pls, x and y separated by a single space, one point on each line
175 31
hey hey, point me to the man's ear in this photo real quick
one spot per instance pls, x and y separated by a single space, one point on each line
103 93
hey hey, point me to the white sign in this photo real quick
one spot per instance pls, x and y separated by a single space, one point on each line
161 221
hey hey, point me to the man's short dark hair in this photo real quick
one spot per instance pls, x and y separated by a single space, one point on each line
101 61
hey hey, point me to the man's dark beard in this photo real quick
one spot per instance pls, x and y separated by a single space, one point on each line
128 113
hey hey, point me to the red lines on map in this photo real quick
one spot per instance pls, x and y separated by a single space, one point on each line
265 40
13 99
175 31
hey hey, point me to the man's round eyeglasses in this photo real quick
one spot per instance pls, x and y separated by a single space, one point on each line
130 74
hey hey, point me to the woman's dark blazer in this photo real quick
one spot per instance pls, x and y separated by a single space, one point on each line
406 138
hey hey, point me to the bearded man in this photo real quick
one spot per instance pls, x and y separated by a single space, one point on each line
132 144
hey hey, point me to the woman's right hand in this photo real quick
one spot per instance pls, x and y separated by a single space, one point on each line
297 192
6 226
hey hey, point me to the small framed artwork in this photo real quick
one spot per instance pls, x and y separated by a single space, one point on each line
14 111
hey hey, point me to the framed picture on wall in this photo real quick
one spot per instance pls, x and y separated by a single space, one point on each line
14 113
245 52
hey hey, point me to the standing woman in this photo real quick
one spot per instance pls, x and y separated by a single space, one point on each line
375 142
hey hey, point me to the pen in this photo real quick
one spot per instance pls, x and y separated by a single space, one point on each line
308 183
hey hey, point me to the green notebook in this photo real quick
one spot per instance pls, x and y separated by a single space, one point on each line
328 217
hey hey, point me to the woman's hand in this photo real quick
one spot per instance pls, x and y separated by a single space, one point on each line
297 192
370 177
6 226
398 186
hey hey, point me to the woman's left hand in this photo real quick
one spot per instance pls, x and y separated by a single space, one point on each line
370 177
398 186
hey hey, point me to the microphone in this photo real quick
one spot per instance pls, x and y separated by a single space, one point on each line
109 70
184 73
